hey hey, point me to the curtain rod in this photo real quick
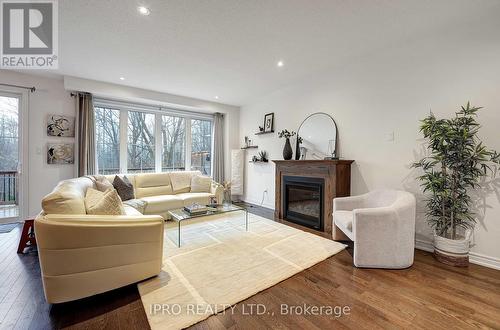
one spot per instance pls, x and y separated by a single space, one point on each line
31 89
74 94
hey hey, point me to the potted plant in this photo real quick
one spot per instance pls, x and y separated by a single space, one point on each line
287 149
262 156
456 162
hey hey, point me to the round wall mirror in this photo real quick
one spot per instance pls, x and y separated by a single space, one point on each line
318 133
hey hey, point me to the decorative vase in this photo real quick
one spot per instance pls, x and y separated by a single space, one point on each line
227 197
453 252
297 150
287 150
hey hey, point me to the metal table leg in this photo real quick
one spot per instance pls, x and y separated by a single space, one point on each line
246 219
179 235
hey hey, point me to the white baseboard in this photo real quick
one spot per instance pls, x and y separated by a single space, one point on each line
424 245
474 257
251 201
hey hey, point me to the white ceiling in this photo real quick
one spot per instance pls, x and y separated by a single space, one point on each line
229 48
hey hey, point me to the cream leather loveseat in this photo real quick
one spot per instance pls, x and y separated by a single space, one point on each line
82 255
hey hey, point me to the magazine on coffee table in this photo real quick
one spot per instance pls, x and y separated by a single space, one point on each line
196 208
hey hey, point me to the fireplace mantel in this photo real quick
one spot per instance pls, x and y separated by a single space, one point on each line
337 183
314 162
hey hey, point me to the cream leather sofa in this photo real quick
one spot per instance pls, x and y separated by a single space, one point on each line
82 255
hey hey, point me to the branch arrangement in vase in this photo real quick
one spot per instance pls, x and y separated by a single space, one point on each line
287 149
286 134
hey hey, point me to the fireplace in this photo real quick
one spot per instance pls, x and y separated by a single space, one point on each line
312 186
303 200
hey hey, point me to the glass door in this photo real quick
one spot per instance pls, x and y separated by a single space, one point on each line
9 157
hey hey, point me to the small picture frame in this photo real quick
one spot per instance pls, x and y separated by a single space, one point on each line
269 122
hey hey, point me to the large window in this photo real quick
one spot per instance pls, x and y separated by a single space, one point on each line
141 142
201 146
173 133
136 138
107 130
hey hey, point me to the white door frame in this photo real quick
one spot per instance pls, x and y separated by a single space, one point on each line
23 97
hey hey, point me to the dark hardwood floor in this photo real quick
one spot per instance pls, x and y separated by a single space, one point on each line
428 295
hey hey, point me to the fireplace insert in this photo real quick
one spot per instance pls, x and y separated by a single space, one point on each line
303 200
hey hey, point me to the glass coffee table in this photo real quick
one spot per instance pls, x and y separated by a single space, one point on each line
179 215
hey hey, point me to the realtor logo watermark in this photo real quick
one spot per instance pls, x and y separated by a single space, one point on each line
29 34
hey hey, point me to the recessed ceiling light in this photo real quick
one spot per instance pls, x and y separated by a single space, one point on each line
280 64
122 78
216 97
144 10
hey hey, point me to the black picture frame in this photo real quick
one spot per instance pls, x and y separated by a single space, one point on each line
269 122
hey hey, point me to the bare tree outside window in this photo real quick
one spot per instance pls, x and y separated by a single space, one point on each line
201 146
9 149
143 139
9 137
141 142
107 128
173 132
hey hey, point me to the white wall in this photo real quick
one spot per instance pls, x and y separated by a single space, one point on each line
49 98
386 91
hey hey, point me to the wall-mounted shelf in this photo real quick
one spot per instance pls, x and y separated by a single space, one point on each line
260 133
250 147
259 161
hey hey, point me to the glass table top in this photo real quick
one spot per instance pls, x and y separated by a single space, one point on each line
180 214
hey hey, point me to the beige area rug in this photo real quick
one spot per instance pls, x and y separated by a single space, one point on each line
220 264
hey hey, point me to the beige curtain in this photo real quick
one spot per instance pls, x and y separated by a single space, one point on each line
86 136
218 163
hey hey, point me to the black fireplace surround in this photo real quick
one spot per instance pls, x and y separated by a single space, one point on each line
303 200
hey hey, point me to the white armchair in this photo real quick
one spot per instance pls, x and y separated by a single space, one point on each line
382 225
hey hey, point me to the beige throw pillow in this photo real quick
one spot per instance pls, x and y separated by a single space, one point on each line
102 184
200 183
103 203
180 181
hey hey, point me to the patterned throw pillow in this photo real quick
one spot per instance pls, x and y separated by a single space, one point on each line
103 203
200 183
124 188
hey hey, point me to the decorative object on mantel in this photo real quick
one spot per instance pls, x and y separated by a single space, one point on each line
269 122
287 149
457 162
318 135
297 147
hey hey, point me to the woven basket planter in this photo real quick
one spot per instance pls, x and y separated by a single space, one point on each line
453 252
